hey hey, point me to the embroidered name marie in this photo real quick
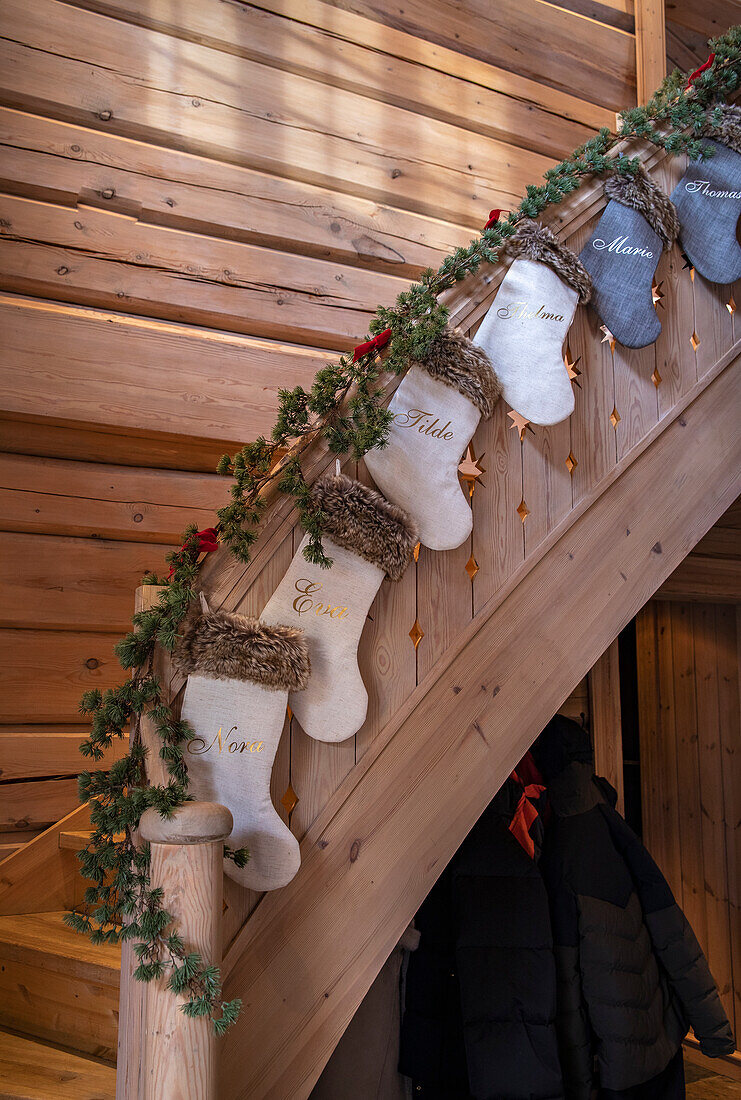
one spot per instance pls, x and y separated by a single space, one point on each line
704 188
521 312
619 247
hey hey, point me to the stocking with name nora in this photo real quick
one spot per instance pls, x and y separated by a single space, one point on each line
622 255
366 538
240 671
708 199
525 328
436 409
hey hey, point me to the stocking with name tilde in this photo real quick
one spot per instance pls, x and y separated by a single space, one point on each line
623 253
708 199
436 409
366 538
240 671
525 328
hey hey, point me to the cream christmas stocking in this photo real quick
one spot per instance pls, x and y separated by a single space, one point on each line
240 671
623 253
436 409
524 330
708 199
367 538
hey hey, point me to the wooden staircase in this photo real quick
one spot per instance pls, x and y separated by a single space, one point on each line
575 527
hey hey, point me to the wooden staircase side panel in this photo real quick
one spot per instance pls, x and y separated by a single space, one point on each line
310 951
40 876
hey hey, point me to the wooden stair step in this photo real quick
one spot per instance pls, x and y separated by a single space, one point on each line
33 1071
76 839
55 984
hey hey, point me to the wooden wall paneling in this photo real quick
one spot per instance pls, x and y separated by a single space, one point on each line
28 752
709 18
109 260
677 657
73 584
85 499
635 395
41 878
444 600
713 322
36 804
554 46
546 480
59 162
143 375
386 655
605 720
202 109
659 801
717 715
725 761
650 46
43 673
703 578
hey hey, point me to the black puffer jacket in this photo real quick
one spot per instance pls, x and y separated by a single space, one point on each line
481 987
631 975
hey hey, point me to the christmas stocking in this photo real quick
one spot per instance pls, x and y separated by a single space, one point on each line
239 674
524 330
436 410
622 255
366 538
708 199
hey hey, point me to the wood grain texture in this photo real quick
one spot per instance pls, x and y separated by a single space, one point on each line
37 803
35 751
37 1071
650 44
40 874
605 720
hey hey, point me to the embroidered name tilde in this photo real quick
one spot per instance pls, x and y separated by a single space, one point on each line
618 245
198 746
520 311
704 188
425 423
305 601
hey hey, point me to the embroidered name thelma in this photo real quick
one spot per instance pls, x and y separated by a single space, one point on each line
520 311
703 186
198 745
619 246
424 422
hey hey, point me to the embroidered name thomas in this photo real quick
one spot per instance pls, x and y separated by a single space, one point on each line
703 188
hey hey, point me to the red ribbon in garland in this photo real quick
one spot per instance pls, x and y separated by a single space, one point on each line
375 344
207 542
493 218
697 72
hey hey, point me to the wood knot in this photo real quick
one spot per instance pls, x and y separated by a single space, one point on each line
322 844
92 662
656 548
62 270
395 173
108 193
138 517
354 850
105 116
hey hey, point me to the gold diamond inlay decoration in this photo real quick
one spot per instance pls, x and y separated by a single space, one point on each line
571 462
289 801
289 712
695 341
615 417
417 549
472 567
731 305
522 510
416 633
656 378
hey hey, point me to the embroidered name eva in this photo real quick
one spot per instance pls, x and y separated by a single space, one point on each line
703 187
620 248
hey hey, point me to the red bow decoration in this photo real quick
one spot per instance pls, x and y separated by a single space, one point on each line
697 72
531 781
207 542
493 218
375 344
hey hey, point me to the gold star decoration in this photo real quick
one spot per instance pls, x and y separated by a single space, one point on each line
571 366
417 549
657 294
608 338
470 470
687 265
520 423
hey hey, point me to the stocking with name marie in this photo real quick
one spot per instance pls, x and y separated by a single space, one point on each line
367 539
240 671
623 253
708 199
436 409
525 328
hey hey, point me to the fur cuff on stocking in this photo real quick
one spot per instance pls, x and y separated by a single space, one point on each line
533 241
723 124
457 362
237 647
639 192
361 520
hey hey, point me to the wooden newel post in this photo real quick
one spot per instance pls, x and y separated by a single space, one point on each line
178 1054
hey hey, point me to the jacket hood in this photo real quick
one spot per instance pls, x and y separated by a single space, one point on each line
563 754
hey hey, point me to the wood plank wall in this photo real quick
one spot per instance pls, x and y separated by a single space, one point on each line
197 203
690 743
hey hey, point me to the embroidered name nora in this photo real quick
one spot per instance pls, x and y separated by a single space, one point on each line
520 311
703 186
424 422
198 745
619 246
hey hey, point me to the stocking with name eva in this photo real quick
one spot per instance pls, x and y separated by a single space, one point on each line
366 539
240 671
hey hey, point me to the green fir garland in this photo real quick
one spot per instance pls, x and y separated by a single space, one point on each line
346 407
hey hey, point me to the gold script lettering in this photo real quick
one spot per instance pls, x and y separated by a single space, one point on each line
198 746
424 422
304 602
